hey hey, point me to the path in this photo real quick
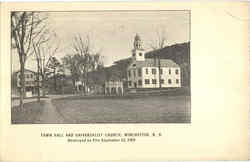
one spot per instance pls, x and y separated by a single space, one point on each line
50 114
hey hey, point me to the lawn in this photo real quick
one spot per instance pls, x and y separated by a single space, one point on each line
147 109
28 115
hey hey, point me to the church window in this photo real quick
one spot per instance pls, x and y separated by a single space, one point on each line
154 81
169 71
146 70
147 81
140 54
139 82
139 72
177 81
153 71
169 81
176 71
162 81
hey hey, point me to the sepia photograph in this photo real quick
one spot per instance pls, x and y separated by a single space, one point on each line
92 67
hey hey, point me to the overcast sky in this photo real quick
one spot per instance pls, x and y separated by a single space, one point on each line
113 32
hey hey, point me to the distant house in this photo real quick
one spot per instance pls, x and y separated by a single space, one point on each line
31 81
151 72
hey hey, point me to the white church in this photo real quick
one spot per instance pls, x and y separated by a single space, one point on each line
149 72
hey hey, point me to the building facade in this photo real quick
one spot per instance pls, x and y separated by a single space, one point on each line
114 88
31 81
151 73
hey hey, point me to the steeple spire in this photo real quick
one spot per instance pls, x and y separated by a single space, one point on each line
137 42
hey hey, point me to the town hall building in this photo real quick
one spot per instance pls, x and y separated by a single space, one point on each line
151 72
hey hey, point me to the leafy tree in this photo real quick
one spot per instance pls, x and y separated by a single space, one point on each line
71 63
54 64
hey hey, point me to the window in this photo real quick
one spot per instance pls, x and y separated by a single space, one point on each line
154 81
129 73
161 71
134 54
31 76
146 70
134 73
147 81
177 81
162 81
139 82
140 54
129 83
169 81
153 71
169 71
27 75
176 71
139 72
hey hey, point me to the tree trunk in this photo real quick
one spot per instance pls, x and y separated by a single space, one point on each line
63 85
74 85
55 79
43 85
22 84
38 80
83 88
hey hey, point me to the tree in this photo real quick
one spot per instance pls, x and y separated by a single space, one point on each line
88 60
159 42
37 44
24 27
54 64
44 47
160 39
71 63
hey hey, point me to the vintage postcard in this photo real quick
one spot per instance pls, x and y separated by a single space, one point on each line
124 81
101 67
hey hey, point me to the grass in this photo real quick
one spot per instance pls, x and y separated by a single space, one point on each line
126 109
28 114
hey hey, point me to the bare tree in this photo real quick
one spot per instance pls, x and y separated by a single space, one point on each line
24 27
84 52
44 50
159 41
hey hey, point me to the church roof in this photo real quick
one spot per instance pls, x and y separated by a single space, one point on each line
155 63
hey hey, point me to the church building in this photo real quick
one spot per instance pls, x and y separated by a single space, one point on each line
151 72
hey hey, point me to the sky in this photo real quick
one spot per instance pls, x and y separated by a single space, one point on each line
113 32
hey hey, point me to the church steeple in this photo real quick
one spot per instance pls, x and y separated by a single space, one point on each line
137 42
138 52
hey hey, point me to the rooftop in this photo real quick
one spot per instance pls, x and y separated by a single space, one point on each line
155 63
